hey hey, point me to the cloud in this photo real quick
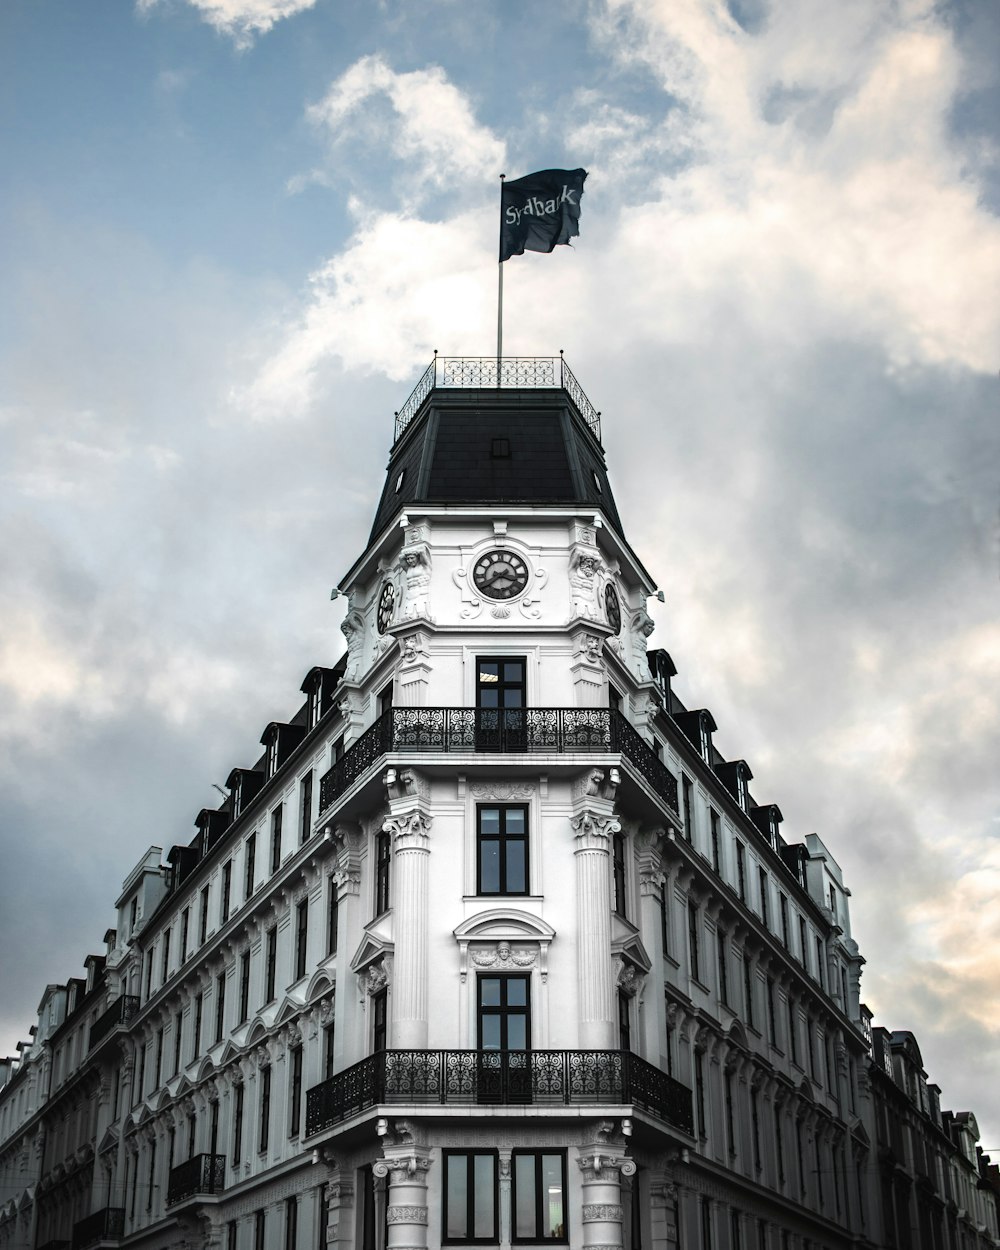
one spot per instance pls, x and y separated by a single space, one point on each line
241 20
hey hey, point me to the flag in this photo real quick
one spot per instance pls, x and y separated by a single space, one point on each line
539 211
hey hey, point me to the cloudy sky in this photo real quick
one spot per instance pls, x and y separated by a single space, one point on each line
233 231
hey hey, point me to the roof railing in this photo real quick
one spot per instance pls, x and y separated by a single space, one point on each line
491 372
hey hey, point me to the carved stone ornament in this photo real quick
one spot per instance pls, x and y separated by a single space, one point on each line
590 648
502 791
294 1036
594 1211
413 648
415 564
413 827
353 629
377 979
503 956
630 980
406 1215
592 827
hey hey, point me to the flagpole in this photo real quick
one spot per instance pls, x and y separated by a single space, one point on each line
500 289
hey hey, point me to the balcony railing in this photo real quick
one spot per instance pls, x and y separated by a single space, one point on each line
105 1225
553 730
201 1174
499 1078
487 372
121 1011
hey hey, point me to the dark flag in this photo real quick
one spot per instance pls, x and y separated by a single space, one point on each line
539 211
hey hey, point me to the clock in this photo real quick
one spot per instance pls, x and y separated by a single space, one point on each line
386 606
500 575
612 607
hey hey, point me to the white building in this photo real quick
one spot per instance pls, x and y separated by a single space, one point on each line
491 946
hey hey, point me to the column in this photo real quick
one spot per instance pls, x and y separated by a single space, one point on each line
339 1206
602 1164
405 1164
409 825
349 1038
593 825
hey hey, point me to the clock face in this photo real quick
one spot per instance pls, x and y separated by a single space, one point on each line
612 607
386 604
500 575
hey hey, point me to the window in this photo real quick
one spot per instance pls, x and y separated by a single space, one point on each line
833 903
301 937
618 872
158 1068
259 1229
140 1074
538 1195
811 1047
741 870
665 918
227 881
400 478
337 750
723 969
149 973
779 1145
305 807
249 864
185 924
329 1038
133 913
500 702
735 1231
385 699
783 900
231 1235
614 699
379 1021
820 975
265 1110
324 1216
238 1125
165 963
178 1035
220 1005
151 1179
503 1013
693 942
276 838
803 943
730 1128
713 817
764 886
383 857
244 987
332 918
199 1002
271 763
291 1222
748 989
192 1127
203 918
470 1197
772 1024
793 1039
689 814
624 1022
499 448
502 837
699 1092
271 964
755 1125
295 1092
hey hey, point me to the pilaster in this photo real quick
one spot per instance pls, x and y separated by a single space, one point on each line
409 824
405 1162
593 824
602 1164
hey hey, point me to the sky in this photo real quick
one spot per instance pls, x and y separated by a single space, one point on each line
233 232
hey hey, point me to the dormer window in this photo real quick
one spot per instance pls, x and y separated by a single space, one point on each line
315 695
236 795
704 739
271 765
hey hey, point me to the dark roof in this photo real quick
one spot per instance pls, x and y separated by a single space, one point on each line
497 446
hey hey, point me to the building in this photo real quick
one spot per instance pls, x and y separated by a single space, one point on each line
491 945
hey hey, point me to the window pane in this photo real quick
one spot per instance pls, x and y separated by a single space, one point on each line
491 1032
489 991
457 1219
524 1196
489 868
552 1196
513 671
517 1033
515 868
511 697
488 698
483 1217
515 820
489 820
517 992
488 672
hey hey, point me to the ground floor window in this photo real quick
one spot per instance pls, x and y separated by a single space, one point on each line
539 1195
470 1186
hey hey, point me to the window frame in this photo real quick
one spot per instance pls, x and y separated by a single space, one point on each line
383 872
301 938
277 820
538 1237
467 1239
502 838
305 806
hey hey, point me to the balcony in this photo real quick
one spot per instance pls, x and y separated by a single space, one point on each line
488 372
121 1011
548 730
487 1078
105 1225
200 1175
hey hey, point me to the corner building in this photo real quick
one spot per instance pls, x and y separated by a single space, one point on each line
491 946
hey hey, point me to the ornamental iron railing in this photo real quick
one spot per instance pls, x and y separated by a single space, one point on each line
105 1225
490 372
201 1174
499 1078
121 1011
553 730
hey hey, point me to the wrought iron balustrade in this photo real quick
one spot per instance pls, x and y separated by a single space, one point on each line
489 373
553 730
499 1078
105 1225
201 1174
121 1011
